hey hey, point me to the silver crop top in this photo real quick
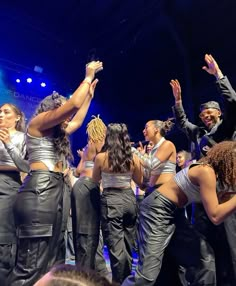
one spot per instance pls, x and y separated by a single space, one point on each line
88 164
41 149
166 167
116 180
13 151
191 191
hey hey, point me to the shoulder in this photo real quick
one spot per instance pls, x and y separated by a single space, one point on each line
202 173
100 157
167 144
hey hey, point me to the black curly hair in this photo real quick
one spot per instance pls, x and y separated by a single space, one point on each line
61 140
222 158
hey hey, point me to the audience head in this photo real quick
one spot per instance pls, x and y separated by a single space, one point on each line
210 113
70 275
11 117
183 158
222 158
149 147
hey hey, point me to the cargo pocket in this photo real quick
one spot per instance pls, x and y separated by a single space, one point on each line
33 241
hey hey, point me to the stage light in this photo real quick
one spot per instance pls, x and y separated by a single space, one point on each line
29 80
18 80
43 84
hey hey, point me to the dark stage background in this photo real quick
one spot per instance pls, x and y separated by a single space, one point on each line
143 44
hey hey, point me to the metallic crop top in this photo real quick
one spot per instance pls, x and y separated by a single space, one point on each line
15 150
166 167
116 180
41 149
88 164
191 191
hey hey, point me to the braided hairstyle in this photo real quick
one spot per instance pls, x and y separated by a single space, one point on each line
61 140
96 129
117 144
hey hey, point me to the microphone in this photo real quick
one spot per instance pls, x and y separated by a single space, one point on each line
137 144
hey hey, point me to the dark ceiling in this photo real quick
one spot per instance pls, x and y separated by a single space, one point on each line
143 44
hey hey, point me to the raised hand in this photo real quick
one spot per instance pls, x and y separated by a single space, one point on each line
212 66
92 68
92 87
176 89
80 152
141 149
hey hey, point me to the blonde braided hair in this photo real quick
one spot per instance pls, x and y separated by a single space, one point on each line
96 129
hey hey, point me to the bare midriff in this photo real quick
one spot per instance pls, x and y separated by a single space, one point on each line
172 192
41 166
160 179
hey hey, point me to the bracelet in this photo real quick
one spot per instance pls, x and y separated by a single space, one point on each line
85 81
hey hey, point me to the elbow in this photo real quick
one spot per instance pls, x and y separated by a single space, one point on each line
216 220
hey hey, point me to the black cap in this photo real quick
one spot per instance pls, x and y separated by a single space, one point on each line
210 104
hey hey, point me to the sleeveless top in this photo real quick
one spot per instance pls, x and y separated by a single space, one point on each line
116 180
166 167
88 164
41 149
191 191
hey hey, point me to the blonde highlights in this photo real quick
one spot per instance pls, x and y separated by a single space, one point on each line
96 129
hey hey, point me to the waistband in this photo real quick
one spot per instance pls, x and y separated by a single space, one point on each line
89 179
117 189
165 200
46 172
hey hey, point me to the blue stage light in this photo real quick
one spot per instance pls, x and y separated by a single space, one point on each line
18 80
43 84
29 80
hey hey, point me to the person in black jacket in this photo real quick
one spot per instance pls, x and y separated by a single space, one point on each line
217 127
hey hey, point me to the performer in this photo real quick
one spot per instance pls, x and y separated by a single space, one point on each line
38 207
12 154
217 127
86 199
197 182
115 166
160 165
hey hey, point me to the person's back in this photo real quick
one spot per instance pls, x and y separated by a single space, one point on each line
115 166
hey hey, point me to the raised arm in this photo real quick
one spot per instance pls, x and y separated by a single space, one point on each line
49 119
78 118
226 91
182 121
